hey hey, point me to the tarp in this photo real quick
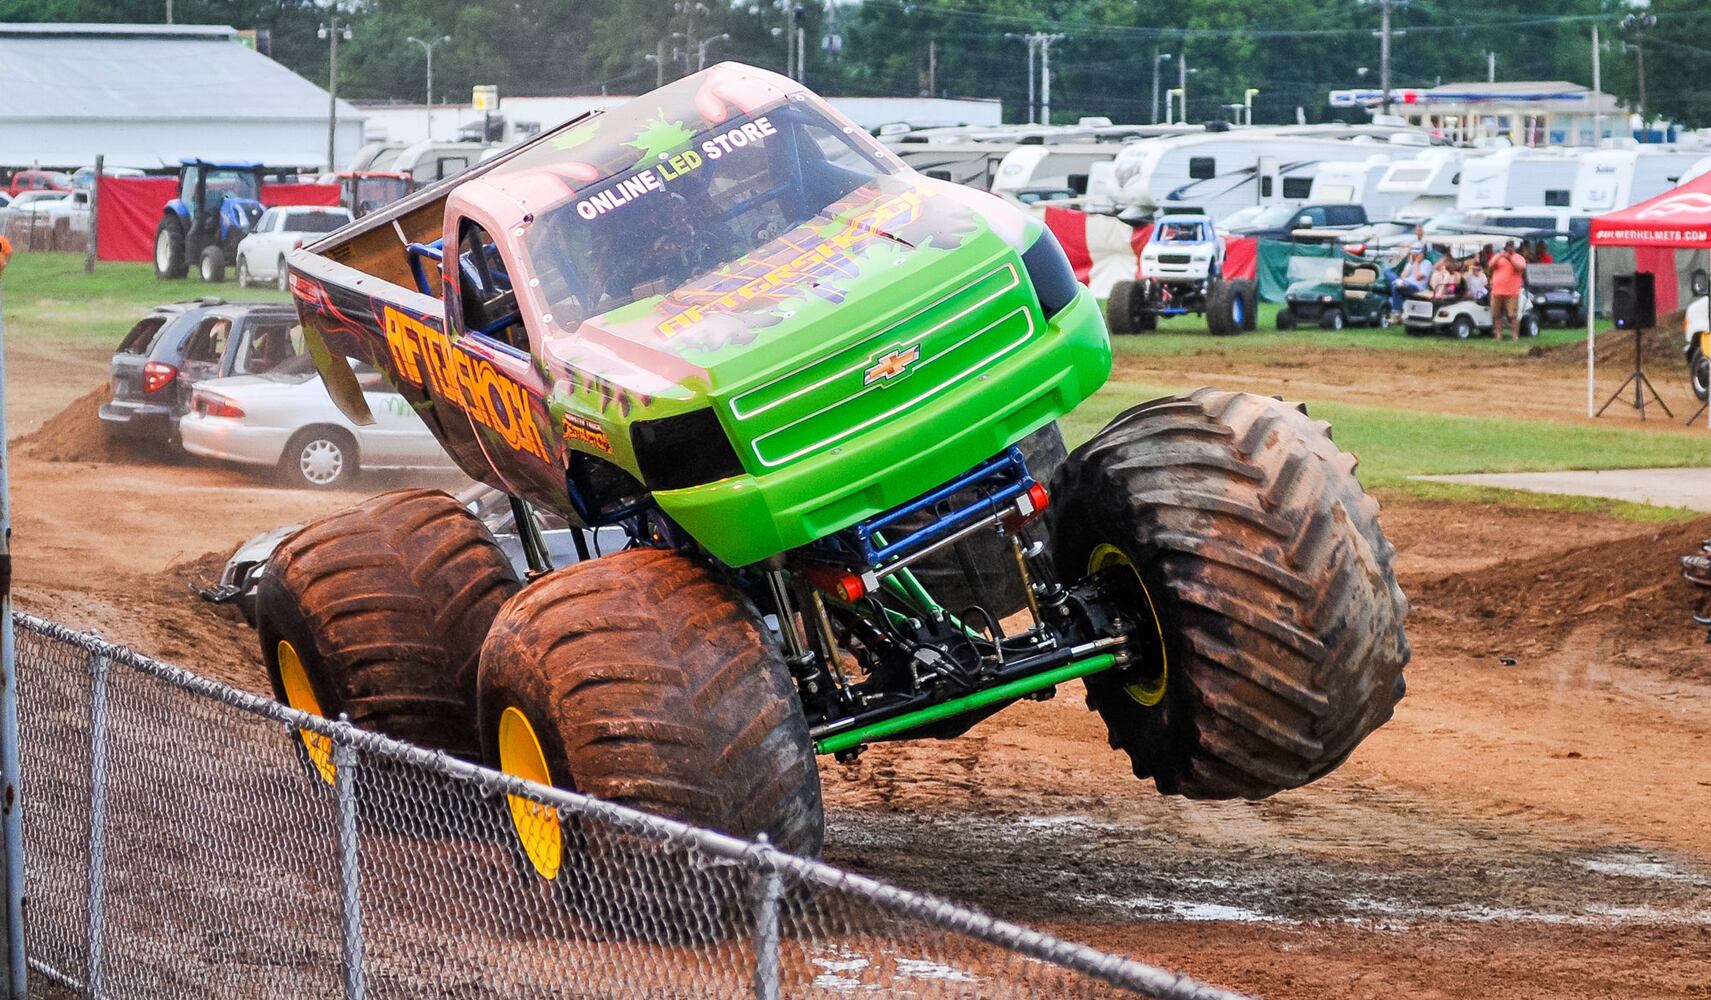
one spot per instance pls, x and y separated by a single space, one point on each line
324 195
130 208
1273 264
1678 218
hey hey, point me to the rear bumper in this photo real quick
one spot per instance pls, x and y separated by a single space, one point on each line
230 440
747 518
131 419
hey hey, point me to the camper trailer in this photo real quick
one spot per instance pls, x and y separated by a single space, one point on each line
1421 186
1517 176
1609 179
1064 165
1221 171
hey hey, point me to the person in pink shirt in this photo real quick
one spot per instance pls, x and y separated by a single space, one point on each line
1507 269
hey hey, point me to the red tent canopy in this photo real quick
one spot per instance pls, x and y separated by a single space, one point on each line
1679 218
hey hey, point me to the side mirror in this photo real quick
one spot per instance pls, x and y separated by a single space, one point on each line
1305 221
1701 285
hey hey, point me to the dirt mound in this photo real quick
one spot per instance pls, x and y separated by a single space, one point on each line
74 434
1660 347
1634 581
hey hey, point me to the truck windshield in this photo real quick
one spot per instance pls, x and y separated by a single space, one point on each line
680 215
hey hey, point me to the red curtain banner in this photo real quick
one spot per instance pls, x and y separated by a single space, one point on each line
1070 228
1241 257
130 209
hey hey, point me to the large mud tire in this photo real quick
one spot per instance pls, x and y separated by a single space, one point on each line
1699 373
981 569
385 605
647 681
1123 308
1226 308
1274 587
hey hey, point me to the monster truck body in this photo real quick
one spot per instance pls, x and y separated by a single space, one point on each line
818 392
1180 272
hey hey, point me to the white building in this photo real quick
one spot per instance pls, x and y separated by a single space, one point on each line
146 95
1525 112
408 123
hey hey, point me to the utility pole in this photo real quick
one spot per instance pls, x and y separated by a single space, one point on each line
659 65
1033 44
932 67
331 31
1158 57
168 11
1597 110
428 47
1384 33
1046 76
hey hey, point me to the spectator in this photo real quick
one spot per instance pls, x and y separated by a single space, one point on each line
1541 253
1508 268
1477 285
1443 280
1415 276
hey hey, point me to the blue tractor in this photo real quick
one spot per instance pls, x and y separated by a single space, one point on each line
217 205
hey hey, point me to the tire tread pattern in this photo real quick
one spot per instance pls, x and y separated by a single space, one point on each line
1278 589
667 695
399 593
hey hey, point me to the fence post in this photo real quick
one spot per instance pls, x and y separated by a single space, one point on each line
350 889
89 230
769 890
11 819
98 673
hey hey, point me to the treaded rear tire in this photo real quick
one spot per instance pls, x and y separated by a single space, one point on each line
387 604
652 683
1221 299
1273 582
1123 306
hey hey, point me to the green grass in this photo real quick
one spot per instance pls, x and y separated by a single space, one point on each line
48 296
1395 445
1187 335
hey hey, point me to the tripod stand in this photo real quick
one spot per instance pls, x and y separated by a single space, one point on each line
1642 386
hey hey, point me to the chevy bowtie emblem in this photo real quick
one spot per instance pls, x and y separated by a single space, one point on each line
891 364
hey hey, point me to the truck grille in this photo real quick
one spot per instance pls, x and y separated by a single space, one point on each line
1174 258
888 373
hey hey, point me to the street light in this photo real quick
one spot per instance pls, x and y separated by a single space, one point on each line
1158 58
331 32
701 49
428 48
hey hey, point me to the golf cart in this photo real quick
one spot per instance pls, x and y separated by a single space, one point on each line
1457 313
217 205
1334 292
1555 294
1181 271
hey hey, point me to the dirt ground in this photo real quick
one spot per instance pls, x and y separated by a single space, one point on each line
1545 383
1531 823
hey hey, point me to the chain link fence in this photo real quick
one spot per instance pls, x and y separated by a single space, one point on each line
187 839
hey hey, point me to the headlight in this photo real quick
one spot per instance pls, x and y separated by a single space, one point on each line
1048 268
1325 298
1538 300
687 450
1574 296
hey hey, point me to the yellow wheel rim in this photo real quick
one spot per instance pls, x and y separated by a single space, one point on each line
537 826
301 696
1147 693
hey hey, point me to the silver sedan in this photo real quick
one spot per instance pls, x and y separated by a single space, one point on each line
285 419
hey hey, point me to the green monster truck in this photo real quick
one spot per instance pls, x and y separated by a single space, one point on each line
819 393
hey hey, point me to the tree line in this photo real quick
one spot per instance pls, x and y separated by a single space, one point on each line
1293 51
